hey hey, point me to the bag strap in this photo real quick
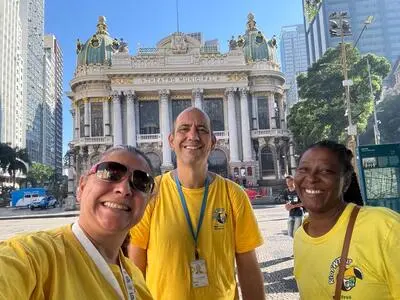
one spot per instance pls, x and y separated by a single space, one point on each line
345 252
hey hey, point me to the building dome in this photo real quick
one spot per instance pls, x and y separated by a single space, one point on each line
255 45
99 48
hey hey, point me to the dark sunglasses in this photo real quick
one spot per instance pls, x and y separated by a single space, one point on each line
112 171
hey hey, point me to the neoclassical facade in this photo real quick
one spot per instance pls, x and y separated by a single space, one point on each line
119 98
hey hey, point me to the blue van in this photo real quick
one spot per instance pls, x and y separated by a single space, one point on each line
25 197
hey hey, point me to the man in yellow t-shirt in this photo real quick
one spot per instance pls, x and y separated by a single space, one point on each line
54 265
373 263
198 225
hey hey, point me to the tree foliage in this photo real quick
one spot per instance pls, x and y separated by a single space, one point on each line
13 160
40 174
388 114
321 113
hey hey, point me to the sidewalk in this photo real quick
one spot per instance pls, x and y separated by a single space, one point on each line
25 213
274 256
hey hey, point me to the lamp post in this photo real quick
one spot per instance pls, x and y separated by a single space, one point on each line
377 135
340 27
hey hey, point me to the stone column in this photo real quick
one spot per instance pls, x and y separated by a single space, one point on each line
233 132
77 122
73 114
254 113
292 158
246 138
70 201
87 116
198 98
117 122
106 117
131 120
165 129
283 107
271 109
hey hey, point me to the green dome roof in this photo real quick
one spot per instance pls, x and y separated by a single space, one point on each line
99 48
255 45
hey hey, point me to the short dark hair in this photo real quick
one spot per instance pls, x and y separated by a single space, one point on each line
343 154
288 177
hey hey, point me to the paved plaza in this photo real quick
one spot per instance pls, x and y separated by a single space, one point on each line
274 256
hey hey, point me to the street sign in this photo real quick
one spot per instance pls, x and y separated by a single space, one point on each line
347 82
352 130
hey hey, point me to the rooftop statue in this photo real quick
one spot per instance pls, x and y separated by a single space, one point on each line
79 46
240 41
232 43
123 46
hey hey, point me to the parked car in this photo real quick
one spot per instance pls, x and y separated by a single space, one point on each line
43 203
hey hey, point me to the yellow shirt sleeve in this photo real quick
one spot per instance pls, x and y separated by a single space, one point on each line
18 271
392 260
140 233
247 233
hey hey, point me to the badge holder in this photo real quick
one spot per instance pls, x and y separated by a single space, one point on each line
199 272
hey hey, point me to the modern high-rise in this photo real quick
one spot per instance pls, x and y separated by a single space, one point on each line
11 101
382 36
293 58
52 104
32 19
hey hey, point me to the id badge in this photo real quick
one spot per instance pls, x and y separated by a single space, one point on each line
199 273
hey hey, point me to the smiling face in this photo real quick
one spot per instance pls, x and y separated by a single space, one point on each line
319 180
192 139
111 207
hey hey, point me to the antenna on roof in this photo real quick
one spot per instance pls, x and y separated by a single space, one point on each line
177 16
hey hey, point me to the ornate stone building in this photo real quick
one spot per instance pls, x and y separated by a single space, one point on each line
119 98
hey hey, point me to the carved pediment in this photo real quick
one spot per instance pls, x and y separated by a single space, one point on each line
179 43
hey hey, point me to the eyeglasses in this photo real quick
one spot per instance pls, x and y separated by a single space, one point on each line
112 171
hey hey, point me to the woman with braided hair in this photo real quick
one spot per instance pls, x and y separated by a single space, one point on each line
372 265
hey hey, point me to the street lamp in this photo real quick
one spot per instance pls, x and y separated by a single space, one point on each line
340 27
377 135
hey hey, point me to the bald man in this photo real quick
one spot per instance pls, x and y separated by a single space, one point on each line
198 225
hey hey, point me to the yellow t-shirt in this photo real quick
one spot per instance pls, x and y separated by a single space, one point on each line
53 265
229 227
373 264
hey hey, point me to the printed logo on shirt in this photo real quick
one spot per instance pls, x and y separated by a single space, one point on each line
219 217
351 274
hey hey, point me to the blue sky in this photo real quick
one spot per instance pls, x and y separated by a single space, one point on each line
147 22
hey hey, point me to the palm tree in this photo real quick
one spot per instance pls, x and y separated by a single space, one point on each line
13 160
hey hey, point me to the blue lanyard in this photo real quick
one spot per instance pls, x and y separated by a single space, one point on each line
195 235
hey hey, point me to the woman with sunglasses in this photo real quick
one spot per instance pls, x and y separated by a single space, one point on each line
84 260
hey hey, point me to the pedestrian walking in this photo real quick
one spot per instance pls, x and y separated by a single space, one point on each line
293 205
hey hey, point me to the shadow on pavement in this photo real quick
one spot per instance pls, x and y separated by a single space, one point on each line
269 263
259 206
281 219
281 281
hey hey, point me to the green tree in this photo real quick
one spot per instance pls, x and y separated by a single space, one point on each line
321 113
389 119
13 160
40 174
